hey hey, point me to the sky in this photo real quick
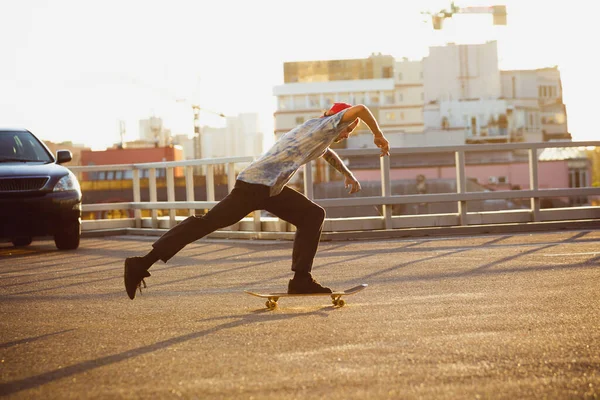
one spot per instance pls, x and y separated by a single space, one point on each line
72 69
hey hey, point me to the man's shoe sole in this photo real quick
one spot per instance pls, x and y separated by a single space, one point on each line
131 289
130 293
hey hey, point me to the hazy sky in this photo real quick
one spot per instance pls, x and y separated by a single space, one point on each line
71 69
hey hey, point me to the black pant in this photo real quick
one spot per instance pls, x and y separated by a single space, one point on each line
288 205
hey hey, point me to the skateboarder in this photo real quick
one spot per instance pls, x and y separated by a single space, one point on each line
262 186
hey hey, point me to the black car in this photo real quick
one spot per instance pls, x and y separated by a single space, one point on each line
38 196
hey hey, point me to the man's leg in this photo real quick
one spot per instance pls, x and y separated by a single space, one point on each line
240 202
308 218
243 199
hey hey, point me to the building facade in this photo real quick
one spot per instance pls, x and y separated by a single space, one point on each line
455 95
393 90
539 94
242 135
153 131
128 155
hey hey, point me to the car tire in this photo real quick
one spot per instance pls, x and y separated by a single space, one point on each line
68 238
22 241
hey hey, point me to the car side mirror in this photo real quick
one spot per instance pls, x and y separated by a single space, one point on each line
63 156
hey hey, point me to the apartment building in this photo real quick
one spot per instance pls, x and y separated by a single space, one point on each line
152 130
539 93
455 95
393 90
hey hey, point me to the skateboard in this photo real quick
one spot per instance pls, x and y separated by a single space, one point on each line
335 296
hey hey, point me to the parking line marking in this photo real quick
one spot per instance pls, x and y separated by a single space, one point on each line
591 253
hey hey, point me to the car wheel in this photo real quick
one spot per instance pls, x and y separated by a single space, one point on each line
22 241
68 238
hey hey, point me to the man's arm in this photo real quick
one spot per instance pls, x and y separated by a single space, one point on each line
336 162
361 111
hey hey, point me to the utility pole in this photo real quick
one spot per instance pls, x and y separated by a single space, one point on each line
197 132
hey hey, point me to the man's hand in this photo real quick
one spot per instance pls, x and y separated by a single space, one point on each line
383 144
352 183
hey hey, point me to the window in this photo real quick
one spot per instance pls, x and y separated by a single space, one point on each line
284 102
374 98
299 102
400 97
445 123
389 97
344 98
390 116
299 120
387 72
399 76
314 101
329 100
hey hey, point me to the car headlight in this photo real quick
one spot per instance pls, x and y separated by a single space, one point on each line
66 183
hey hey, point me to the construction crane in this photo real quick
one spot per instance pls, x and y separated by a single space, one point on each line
498 12
197 130
167 94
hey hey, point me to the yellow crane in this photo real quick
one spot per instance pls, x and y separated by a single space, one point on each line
498 13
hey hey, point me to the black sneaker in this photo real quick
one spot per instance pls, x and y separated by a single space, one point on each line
306 286
135 272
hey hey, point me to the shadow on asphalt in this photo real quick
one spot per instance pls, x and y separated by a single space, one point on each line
348 257
64 372
32 339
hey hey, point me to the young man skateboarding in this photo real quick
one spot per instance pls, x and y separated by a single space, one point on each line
262 186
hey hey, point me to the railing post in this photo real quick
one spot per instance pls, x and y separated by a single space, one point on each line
256 223
533 184
386 190
153 196
231 177
171 195
210 183
189 187
137 197
461 186
308 181
230 185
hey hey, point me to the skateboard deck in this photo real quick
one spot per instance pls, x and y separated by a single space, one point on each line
336 299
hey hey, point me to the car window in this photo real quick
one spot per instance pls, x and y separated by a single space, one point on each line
22 146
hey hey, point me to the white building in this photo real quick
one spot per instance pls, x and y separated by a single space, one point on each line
484 105
539 94
455 95
242 136
152 131
462 72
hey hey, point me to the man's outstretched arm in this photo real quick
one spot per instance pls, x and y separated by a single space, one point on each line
336 162
361 111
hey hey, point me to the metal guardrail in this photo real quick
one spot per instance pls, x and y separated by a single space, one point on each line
258 226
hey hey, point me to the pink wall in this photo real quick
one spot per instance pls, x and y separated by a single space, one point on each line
551 174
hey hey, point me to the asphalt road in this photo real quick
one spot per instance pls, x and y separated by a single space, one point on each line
513 316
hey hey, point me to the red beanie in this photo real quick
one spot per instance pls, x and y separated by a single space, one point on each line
337 107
